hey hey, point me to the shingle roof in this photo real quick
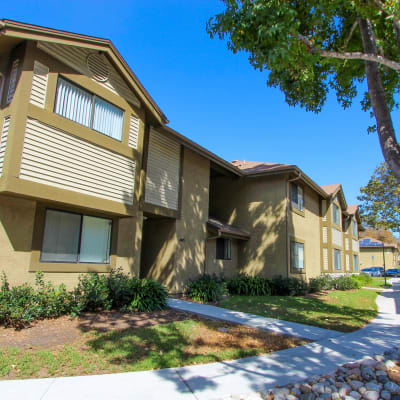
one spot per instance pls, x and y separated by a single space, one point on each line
254 167
352 209
227 229
331 189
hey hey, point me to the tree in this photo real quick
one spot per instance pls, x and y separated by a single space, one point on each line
312 46
380 207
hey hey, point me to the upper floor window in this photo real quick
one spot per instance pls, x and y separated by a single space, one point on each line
297 255
87 109
12 81
336 214
355 230
224 249
297 196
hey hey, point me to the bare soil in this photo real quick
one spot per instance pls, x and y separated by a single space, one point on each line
54 332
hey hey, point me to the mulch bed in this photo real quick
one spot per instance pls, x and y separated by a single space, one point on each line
63 330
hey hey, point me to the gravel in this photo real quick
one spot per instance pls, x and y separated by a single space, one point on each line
366 379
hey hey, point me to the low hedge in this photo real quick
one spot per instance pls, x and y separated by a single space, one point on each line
246 285
20 305
206 288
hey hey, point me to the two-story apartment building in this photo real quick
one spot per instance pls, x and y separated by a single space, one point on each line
375 253
340 224
91 179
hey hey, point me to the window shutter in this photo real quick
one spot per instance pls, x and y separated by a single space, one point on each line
133 132
39 84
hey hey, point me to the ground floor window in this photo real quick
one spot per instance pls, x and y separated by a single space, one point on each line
224 249
337 259
76 238
355 262
297 255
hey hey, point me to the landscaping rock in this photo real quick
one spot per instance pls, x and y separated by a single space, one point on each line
392 387
367 373
355 395
385 394
371 395
355 385
373 386
305 388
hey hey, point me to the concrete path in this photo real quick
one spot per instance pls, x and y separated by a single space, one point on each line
255 321
223 379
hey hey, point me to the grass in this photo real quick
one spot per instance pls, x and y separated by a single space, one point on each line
378 282
136 349
344 311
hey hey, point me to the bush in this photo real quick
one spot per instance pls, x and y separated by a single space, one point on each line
20 305
206 288
288 286
345 283
323 282
362 279
246 285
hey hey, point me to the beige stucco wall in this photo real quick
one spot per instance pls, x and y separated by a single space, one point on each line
258 206
366 255
17 223
305 227
227 268
174 250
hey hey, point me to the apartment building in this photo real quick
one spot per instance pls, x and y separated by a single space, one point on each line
92 178
373 252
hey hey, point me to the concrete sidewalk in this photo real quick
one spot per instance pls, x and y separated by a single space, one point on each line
255 321
223 379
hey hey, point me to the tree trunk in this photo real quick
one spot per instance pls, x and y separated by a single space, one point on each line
397 34
386 134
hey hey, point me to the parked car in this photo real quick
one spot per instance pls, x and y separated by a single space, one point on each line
394 272
373 271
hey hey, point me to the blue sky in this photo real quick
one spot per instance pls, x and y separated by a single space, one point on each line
215 97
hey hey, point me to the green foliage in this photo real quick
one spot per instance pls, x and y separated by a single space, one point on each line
247 285
380 207
206 288
345 283
20 305
276 33
288 286
323 282
362 279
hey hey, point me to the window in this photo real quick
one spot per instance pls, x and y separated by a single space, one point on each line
224 249
337 259
336 214
373 259
12 81
76 238
297 255
297 196
355 230
86 109
355 262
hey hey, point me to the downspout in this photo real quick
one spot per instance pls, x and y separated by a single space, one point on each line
205 249
287 221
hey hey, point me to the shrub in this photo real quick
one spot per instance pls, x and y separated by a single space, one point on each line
288 286
246 285
323 282
362 279
206 288
345 283
147 295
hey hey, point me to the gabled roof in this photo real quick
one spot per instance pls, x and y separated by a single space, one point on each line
354 210
336 190
256 168
332 189
225 229
24 31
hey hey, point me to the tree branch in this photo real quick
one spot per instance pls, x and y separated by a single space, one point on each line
356 55
353 28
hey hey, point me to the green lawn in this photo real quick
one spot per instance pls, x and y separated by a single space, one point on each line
167 345
378 282
344 311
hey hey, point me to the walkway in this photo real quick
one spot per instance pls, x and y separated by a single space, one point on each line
220 380
254 321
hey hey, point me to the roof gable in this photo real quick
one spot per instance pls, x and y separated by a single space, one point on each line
58 43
